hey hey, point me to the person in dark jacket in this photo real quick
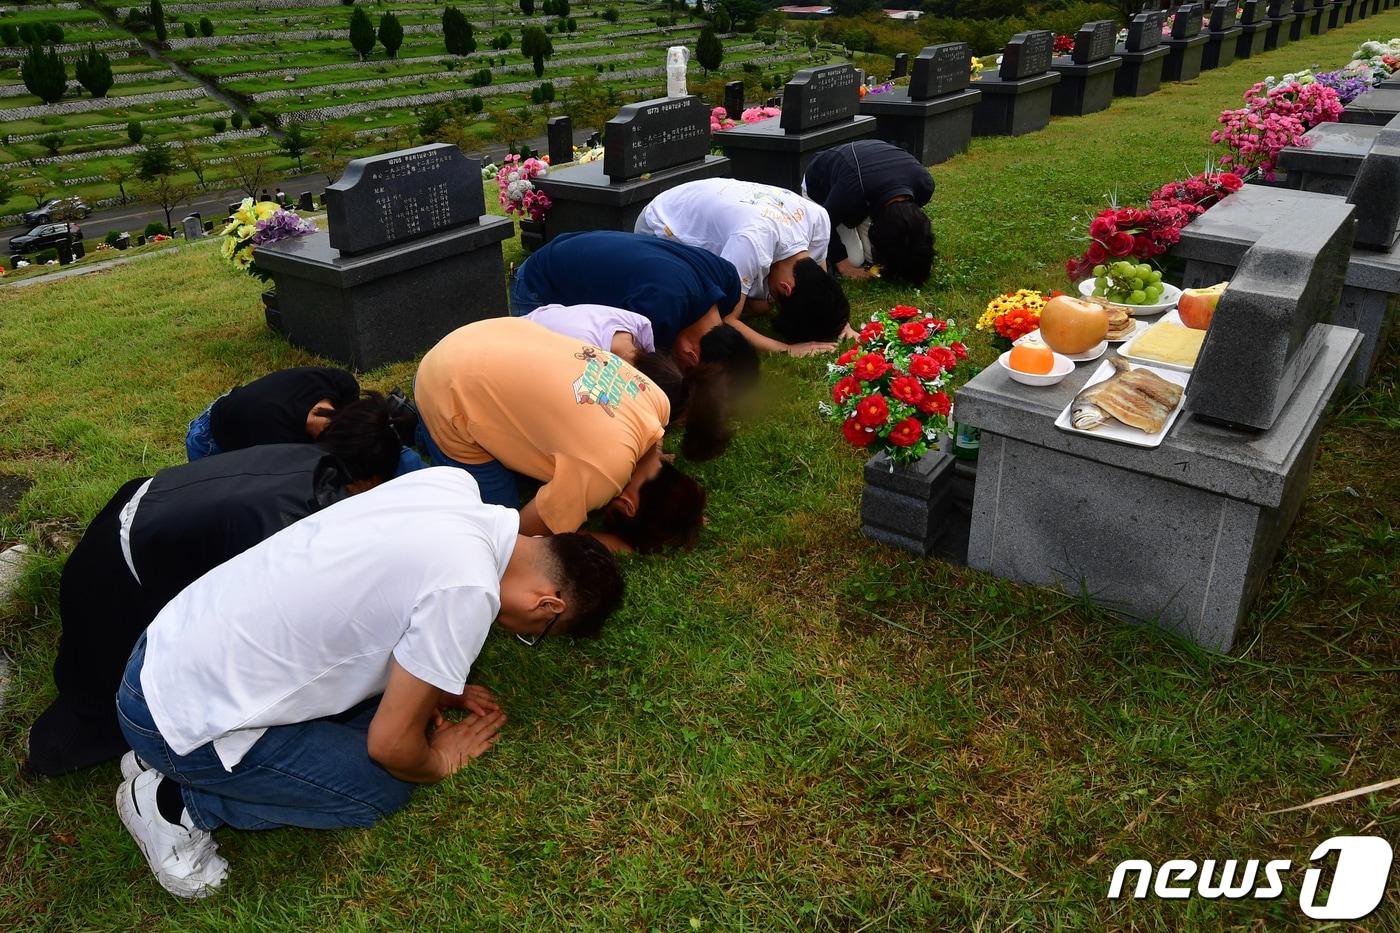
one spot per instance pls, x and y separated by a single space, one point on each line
875 193
155 537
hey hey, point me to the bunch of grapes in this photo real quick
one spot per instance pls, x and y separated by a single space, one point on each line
1128 283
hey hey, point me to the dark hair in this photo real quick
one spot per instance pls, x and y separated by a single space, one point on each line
670 513
817 309
362 435
731 349
588 575
902 240
699 399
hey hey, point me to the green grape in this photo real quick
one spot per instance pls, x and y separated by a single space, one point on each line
1100 270
1155 276
1138 297
1098 291
1154 292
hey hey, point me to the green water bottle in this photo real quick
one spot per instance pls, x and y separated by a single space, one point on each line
966 441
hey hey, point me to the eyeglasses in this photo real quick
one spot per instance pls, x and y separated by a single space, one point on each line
530 641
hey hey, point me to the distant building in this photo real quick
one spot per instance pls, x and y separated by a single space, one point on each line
805 12
907 15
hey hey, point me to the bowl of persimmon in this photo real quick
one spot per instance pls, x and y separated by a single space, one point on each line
1035 364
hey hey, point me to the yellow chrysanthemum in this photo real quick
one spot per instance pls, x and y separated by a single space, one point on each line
246 230
243 258
1023 299
266 209
232 226
226 250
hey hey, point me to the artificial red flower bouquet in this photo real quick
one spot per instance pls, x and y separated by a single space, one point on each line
888 392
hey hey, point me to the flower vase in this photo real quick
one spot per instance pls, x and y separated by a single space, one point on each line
908 506
271 313
531 234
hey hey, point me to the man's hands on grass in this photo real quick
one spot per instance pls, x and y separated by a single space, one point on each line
475 699
809 349
455 744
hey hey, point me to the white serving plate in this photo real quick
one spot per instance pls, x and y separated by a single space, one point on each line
1116 430
1170 296
1088 356
1062 368
1126 350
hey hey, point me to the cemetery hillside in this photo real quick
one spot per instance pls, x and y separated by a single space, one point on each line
1028 560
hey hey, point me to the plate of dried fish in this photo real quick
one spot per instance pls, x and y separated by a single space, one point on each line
1129 404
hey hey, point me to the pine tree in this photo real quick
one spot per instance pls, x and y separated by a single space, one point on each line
45 76
535 43
361 32
94 72
457 32
709 51
390 34
157 17
206 26
527 7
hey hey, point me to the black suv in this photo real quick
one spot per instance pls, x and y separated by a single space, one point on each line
44 236
45 214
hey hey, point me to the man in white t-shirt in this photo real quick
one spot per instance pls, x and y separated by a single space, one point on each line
302 683
777 240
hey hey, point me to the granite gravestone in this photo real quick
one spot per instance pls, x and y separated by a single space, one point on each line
192 227
941 69
1094 42
1222 40
1269 327
1252 14
654 135
1254 29
1145 31
1222 15
306 202
400 196
901 65
734 100
1143 56
1186 45
1376 194
816 97
1027 54
1186 21
560 131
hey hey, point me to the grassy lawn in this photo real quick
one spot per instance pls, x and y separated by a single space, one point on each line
790 727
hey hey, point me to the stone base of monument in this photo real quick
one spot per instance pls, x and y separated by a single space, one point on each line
907 507
1214 243
1317 21
932 131
1335 13
584 198
1349 11
1299 27
1220 48
272 314
1375 107
1363 10
1251 40
765 153
1184 58
532 234
1014 108
391 304
1141 73
1329 161
1279 32
1180 536
1083 89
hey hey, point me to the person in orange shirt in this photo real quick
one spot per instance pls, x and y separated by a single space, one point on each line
505 397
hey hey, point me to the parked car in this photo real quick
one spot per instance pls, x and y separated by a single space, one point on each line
55 208
45 235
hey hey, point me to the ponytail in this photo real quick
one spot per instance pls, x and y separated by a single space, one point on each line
699 399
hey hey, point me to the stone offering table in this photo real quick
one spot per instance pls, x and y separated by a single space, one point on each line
648 148
1187 45
1016 100
1087 75
1179 536
1376 107
1222 40
931 119
1143 56
1329 162
819 112
410 255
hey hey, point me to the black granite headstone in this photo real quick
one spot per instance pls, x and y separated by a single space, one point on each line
1027 54
306 202
901 65
561 140
1222 15
1252 13
818 96
1186 22
734 100
1151 6
233 208
400 196
1095 41
941 69
655 134
209 226
141 240
1376 194
1145 31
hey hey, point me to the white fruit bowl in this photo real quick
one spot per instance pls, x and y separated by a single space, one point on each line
1062 368
1170 296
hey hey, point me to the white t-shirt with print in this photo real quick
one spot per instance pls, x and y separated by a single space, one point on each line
302 625
749 224
595 324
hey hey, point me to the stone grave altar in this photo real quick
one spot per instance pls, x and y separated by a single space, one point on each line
1180 536
648 148
1087 74
410 255
1143 56
931 119
1330 157
1187 45
819 111
1016 100
1254 29
1377 107
1214 243
1222 38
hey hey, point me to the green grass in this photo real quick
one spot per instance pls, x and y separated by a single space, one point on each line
790 727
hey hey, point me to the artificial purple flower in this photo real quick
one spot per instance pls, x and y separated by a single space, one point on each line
282 225
1348 89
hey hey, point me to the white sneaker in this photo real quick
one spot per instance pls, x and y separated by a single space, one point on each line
185 859
132 765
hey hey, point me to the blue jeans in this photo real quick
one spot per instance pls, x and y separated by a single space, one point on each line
522 300
410 461
317 774
497 482
199 438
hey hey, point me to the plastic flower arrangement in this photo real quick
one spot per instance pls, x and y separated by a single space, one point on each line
1348 88
719 117
518 193
888 392
1012 315
877 88
254 225
583 154
1064 44
1276 114
1380 58
977 69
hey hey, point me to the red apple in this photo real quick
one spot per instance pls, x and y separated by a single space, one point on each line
1197 305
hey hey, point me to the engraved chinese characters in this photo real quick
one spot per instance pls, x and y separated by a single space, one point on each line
654 135
818 96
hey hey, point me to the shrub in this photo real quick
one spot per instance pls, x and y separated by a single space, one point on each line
218 124
477 103
189 29
9 35
237 119
255 119
155 227
48 255
51 143
612 14
111 238
206 26
481 78
134 132
54 33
